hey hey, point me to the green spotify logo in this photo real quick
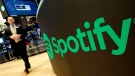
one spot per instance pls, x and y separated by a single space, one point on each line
53 45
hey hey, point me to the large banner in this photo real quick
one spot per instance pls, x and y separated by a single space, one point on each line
89 37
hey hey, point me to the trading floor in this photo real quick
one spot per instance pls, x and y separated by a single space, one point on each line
40 66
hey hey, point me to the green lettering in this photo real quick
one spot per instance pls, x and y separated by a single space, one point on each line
90 37
48 46
64 50
55 45
61 46
98 32
72 38
122 41
80 36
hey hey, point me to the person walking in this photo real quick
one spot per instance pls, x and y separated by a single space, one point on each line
16 35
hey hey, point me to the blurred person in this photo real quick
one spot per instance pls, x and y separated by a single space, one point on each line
37 28
27 27
16 35
34 40
28 40
32 25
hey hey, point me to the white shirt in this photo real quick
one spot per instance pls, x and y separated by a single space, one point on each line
14 26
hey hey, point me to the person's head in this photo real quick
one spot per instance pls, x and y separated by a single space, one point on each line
10 20
26 25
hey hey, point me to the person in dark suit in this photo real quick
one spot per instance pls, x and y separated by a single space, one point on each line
16 35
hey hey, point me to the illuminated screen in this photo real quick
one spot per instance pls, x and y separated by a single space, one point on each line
20 7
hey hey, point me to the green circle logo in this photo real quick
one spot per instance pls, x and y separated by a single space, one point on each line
2 8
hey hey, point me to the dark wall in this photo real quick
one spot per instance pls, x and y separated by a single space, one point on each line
89 37
3 11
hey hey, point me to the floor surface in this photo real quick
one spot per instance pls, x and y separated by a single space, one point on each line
40 66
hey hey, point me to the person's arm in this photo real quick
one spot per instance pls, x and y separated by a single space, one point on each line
23 32
6 36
